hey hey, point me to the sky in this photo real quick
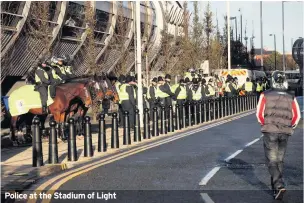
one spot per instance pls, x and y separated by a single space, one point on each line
272 20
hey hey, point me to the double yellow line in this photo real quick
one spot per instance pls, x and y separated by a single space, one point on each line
64 177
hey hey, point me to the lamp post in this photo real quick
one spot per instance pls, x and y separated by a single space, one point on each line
275 51
261 25
241 17
228 25
283 35
235 21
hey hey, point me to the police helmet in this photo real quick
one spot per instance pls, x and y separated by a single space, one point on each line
160 78
154 80
194 81
187 80
122 78
168 76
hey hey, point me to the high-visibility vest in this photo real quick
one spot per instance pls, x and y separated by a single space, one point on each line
182 94
259 87
148 92
197 95
160 93
227 88
188 75
211 90
174 87
117 85
68 69
61 68
123 94
235 86
248 86
54 74
37 78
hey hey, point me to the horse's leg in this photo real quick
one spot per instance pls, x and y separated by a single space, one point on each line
13 129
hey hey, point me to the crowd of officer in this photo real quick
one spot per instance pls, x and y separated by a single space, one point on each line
48 74
192 87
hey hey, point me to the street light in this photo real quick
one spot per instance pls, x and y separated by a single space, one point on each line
241 25
234 18
275 51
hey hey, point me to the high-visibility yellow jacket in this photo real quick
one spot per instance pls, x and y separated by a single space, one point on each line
160 93
259 87
37 78
211 90
197 95
248 86
182 94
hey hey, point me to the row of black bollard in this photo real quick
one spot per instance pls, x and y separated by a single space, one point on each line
186 115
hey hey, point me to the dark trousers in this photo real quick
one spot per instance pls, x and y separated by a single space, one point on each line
43 91
127 106
180 102
275 148
151 105
53 85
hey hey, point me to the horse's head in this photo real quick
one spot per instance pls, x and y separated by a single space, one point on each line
96 90
87 98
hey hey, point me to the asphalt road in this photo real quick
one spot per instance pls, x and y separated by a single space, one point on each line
173 172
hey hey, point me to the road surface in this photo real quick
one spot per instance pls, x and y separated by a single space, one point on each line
221 164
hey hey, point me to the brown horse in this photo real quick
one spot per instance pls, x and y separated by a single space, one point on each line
79 90
79 110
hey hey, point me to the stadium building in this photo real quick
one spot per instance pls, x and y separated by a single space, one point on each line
66 25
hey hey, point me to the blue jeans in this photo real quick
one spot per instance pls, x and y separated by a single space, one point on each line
275 148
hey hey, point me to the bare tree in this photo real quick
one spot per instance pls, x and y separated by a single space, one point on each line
119 39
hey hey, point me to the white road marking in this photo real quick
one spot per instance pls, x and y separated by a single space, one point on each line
233 155
205 180
250 143
206 198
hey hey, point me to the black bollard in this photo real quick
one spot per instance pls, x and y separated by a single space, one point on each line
170 120
189 114
72 148
213 109
37 144
200 113
146 124
209 110
195 113
163 123
184 116
222 106
137 133
53 147
177 117
114 132
205 110
234 105
102 142
88 148
155 130
126 129
229 106
217 102
237 104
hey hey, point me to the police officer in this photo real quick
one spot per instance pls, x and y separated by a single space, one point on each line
151 95
66 60
259 87
57 64
42 81
278 113
164 93
128 99
181 93
188 89
235 86
122 80
204 90
248 86
229 89
211 89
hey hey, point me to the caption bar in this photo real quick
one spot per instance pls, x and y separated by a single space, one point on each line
61 195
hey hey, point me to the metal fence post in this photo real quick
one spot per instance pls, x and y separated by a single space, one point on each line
53 147
72 148
102 143
114 132
37 144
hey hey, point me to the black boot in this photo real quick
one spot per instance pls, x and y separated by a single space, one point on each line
44 109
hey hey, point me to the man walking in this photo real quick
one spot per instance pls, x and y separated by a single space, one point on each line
278 112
